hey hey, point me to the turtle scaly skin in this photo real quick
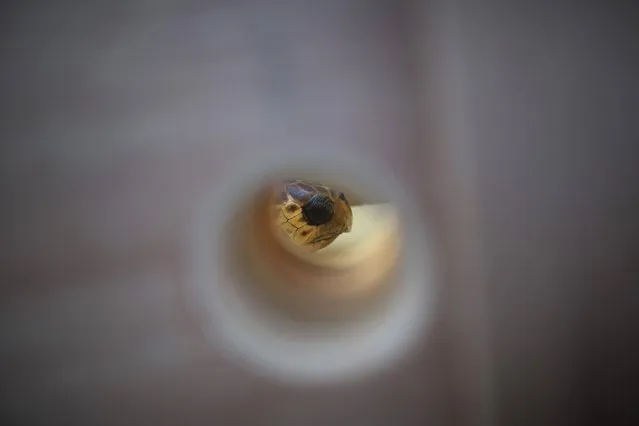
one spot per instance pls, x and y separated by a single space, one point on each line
312 215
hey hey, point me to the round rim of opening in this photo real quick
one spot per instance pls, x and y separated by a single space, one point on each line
289 350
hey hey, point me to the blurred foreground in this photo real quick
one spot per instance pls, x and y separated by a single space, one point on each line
512 123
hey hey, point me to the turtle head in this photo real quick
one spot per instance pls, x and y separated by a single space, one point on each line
346 213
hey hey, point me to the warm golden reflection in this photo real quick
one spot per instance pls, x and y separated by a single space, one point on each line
304 243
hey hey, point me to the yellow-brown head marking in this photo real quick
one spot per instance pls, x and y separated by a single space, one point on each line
311 214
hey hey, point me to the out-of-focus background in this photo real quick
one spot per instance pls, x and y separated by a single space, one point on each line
512 122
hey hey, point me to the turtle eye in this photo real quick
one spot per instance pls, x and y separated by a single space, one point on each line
318 211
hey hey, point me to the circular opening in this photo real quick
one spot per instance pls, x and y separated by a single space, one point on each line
343 280
312 315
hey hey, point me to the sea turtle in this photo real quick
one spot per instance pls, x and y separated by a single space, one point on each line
312 215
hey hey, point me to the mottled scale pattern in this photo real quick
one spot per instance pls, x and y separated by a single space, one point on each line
312 215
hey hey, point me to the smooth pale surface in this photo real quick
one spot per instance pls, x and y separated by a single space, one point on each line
122 116
359 267
306 323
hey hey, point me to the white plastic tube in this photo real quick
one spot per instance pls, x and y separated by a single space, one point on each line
297 351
